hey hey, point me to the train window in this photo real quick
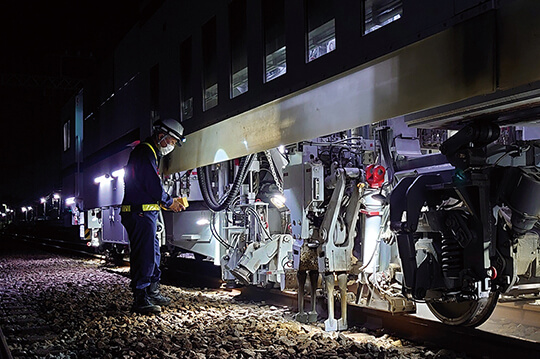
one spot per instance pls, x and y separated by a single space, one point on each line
209 47
186 88
67 135
274 38
378 13
238 41
321 28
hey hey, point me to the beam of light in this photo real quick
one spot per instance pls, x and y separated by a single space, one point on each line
102 178
278 200
118 173
203 221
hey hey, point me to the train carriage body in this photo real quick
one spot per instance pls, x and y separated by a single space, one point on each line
392 143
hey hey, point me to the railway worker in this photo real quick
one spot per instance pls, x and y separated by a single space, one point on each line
143 195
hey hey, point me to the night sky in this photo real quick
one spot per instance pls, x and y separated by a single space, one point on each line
46 41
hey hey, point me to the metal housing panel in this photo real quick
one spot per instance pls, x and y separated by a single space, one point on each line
108 193
184 231
519 44
447 67
113 230
517 95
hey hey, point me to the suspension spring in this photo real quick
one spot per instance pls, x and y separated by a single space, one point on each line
451 257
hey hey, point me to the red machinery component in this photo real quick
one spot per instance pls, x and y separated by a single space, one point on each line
375 175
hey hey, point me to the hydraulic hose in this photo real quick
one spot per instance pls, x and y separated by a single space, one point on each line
207 193
385 148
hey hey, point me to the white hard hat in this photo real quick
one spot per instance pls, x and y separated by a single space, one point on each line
172 128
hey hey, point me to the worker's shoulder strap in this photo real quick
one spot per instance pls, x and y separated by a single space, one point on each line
152 148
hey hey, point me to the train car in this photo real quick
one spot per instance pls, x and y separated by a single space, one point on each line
388 144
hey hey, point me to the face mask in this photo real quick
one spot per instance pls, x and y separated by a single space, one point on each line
166 150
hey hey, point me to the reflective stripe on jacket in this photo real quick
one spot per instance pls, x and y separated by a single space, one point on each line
142 184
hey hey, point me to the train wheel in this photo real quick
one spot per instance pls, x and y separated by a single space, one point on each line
471 313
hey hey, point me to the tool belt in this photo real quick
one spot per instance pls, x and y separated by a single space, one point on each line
140 207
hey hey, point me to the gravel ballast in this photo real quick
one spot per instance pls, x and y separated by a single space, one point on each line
87 306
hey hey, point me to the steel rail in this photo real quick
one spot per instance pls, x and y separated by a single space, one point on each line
62 245
472 341
5 353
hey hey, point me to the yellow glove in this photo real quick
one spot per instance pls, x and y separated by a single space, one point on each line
179 204
182 201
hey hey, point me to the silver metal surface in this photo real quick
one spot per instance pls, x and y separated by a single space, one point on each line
516 47
113 230
447 67
191 230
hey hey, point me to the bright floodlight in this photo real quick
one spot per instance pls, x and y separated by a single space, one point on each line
56 196
203 222
23 209
43 200
103 178
278 200
70 201
118 173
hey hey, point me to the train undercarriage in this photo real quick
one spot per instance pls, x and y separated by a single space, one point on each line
401 179
371 216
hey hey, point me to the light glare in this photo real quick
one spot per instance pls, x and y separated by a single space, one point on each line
102 178
203 222
118 173
278 200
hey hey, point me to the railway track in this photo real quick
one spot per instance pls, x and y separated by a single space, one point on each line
526 313
24 328
60 245
5 353
22 324
474 342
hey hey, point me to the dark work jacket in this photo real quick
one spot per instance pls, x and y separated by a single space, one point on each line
142 184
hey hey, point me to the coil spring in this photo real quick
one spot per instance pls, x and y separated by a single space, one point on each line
451 257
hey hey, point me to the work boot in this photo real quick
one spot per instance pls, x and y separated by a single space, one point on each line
155 297
142 303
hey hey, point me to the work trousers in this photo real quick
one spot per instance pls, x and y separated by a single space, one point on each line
144 252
